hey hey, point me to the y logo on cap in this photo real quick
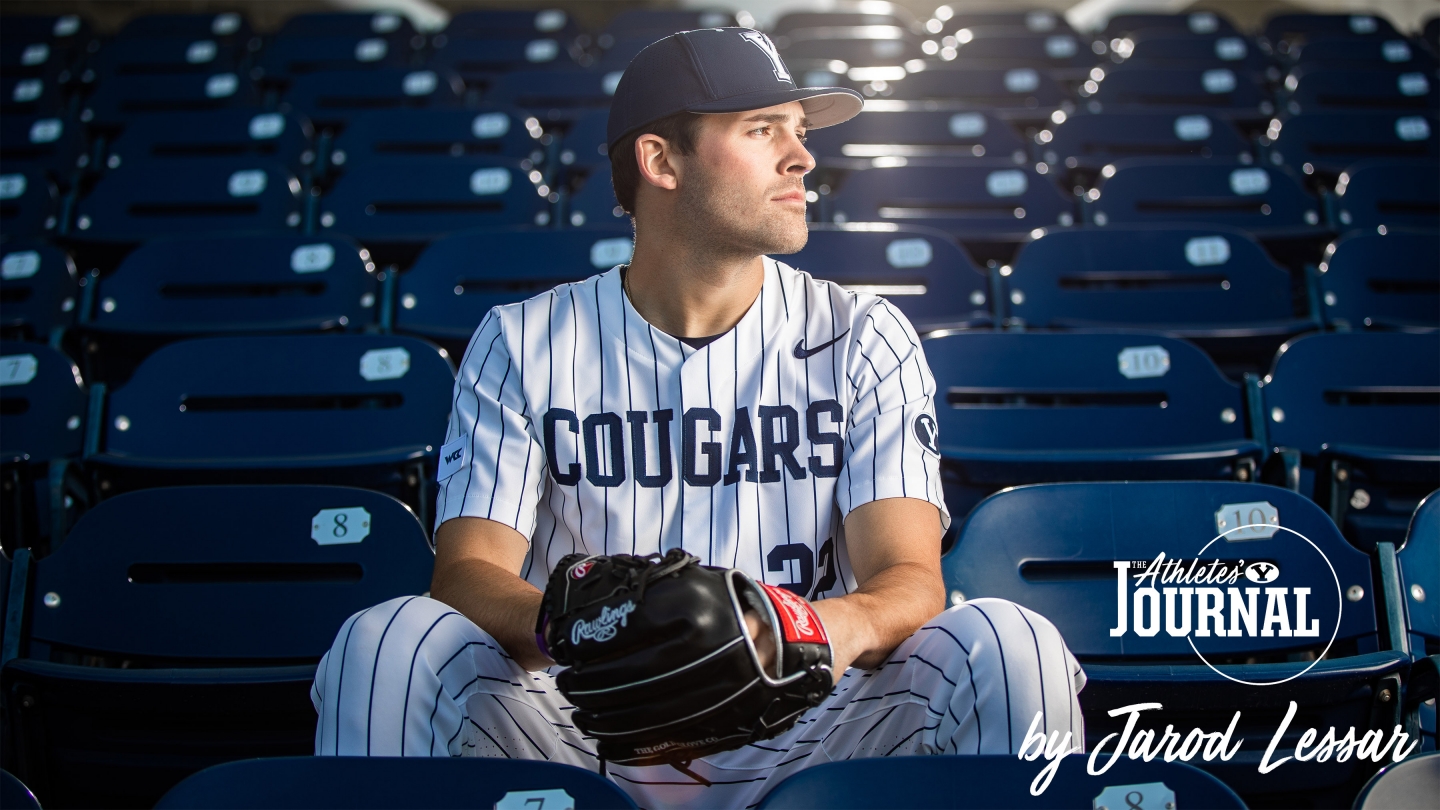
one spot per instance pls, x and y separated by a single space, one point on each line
763 43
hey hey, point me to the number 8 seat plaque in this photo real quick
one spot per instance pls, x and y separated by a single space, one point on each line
331 527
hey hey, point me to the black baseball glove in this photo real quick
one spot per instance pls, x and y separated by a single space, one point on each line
661 668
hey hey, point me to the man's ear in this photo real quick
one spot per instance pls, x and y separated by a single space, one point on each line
657 161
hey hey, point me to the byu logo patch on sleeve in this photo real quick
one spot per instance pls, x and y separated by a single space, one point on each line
453 457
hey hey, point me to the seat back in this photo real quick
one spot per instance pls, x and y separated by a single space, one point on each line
139 56
1388 281
27 201
1419 562
1085 143
917 133
394 782
657 23
30 95
1261 200
288 56
38 290
1390 194
284 283
1157 48
887 14
385 24
1007 89
1023 397
1330 143
223 27
884 46
1035 21
575 91
44 141
1186 278
121 98
996 202
1371 390
990 45
414 200
1052 547
238 133
42 404
522 24
332 98
458 278
1197 24
1394 53
1289 30
995 782
144 199
434 133
923 273
243 574
482 56
1195 88
1323 88
301 402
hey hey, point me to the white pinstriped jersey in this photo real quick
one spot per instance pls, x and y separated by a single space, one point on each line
587 429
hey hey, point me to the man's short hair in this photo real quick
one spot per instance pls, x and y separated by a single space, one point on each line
679 130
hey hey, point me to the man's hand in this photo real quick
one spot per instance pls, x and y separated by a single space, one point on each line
894 548
764 639
477 572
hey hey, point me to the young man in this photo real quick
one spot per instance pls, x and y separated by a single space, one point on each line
710 398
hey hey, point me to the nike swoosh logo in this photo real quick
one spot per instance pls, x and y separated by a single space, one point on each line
801 352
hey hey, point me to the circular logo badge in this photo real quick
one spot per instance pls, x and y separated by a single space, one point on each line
580 569
926 432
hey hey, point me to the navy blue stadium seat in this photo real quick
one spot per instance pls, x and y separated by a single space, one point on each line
1377 193
855 15
1005 45
1356 420
363 410
1430 33
436 133
144 199
30 95
1169 48
1215 286
1034 21
123 97
1329 143
1056 549
56 32
996 203
594 203
286 57
1418 568
199 614
412 201
1198 24
1082 145
247 133
42 418
1323 89
28 204
167 55
226 26
1231 91
347 24
584 145
37 53
1412 782
1295 29
1016 408
333 98
999 89
922 272
656 23
251 285
991 782
503 23
1263 201
479 58
1393 54
918 133
1382 281
890 47
445 295
13 793
46 142
542 90
38 290
395 783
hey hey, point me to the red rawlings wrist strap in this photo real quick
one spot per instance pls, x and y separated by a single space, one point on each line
798 620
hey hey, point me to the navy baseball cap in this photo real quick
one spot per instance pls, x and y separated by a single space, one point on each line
716 70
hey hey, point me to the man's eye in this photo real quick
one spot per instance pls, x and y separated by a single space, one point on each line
804 138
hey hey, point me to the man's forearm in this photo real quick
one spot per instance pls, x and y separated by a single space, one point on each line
496 600
867 625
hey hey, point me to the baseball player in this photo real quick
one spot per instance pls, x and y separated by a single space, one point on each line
711 400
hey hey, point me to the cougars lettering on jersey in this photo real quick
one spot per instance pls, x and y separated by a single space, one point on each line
588 430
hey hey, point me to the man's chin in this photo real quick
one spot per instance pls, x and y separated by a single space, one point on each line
787 237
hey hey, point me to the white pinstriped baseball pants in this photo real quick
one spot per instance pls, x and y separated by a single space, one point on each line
411 677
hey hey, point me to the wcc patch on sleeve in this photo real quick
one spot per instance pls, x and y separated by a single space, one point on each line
454 457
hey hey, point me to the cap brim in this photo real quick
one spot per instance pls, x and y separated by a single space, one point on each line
824 106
